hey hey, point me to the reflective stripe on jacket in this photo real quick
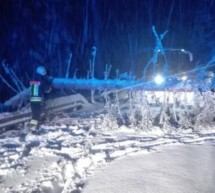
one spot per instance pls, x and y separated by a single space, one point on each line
35 89
36 99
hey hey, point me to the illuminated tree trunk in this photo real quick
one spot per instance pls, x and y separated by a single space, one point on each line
87 84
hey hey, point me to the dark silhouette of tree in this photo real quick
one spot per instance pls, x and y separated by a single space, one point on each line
48 31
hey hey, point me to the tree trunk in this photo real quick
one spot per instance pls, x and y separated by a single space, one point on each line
63 83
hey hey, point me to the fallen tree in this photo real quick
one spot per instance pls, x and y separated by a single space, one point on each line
94 84
64 83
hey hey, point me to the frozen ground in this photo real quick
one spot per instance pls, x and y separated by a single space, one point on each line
66 152
178 169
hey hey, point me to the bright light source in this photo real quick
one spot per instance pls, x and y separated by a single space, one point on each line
183 50
159 79
184 78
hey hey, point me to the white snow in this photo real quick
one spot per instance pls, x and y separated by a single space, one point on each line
62 157
178 169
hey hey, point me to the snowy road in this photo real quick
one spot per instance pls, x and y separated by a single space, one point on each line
178 169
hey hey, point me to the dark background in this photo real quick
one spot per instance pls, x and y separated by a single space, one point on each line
35 32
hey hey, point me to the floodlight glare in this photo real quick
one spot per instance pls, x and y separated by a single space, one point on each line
159 79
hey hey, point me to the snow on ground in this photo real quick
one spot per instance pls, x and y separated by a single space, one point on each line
178 169
63 155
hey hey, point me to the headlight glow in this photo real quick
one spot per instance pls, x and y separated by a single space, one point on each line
159 79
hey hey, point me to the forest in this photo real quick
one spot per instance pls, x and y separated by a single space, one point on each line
62 33
104 101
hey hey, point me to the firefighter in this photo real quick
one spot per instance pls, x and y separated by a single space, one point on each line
40 89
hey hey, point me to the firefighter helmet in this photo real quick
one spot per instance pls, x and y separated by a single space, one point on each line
41 70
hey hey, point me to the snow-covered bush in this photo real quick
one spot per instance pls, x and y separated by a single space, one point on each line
204 108
163 118
143 113
109 121
130 108
172 111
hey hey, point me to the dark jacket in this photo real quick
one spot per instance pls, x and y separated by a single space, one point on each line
40 87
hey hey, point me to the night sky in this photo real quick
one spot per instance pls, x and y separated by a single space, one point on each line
46 32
